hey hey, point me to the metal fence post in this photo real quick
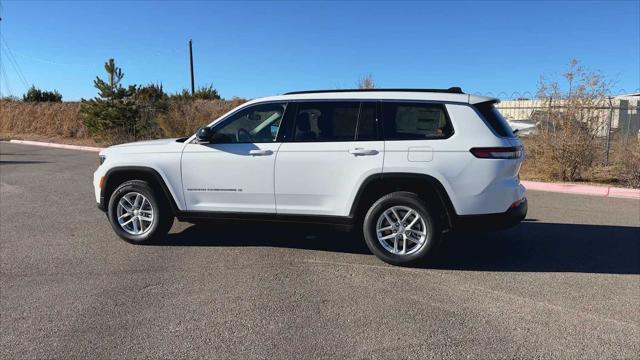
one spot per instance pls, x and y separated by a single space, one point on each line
606 155
549 114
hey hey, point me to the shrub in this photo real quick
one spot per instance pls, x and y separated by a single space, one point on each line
36 95
150 101
568 133
626 162
207 92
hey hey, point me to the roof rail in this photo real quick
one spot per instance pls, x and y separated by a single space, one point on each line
451 90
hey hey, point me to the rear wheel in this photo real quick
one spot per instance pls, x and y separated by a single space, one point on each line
138 214
400 229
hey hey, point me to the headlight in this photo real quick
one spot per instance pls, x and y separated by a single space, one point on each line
102 158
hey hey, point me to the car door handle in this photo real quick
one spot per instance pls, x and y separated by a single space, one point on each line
360 151
260 152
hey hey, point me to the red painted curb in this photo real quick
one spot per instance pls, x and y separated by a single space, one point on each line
593 190
624 193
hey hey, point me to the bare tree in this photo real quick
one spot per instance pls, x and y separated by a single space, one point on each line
574 120
366 82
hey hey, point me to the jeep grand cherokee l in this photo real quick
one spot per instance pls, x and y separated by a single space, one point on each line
403 165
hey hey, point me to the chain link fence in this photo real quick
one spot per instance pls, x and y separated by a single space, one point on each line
617 120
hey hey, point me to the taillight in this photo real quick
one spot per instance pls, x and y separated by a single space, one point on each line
517 203
513 152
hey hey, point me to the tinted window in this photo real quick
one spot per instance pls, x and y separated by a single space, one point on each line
326 121
495 119
255 124
367 125
415 121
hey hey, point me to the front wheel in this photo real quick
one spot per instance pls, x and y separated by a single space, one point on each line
137 214
400 229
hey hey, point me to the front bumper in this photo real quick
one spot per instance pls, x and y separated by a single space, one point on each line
98 178
492 222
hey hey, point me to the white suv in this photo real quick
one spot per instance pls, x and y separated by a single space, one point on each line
404 165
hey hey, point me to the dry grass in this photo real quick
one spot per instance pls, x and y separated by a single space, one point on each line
623 169
54 120
626 162
184 117
62 121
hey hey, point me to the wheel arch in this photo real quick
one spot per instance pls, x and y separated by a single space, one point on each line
118 175
425 186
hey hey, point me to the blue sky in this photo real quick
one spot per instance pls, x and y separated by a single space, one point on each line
264 48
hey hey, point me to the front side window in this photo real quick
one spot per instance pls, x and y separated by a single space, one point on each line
415 121
255 124
326 121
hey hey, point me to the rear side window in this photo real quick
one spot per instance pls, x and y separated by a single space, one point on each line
326 121
415 121
494 119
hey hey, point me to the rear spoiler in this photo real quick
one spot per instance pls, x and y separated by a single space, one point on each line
477 99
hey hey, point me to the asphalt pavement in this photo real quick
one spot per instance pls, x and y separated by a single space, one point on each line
563 284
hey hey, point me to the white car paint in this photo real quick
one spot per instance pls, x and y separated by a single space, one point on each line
319 178
229 177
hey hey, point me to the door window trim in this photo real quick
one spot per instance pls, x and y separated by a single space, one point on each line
310 101
227 119
290 121
287 126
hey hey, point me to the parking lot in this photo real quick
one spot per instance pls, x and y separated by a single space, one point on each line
565 283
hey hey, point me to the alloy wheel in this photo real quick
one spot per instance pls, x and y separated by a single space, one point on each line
401 230
135 213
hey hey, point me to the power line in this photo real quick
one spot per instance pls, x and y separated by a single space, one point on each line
42 60
6 80
14 63
18 71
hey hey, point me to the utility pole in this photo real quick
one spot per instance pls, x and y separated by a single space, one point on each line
193 88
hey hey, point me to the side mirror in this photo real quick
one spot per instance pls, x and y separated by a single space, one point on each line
204 134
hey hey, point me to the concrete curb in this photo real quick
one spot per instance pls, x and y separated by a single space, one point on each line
567 188
59 146
593 190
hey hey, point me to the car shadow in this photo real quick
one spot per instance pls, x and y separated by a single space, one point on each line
532 246
271 234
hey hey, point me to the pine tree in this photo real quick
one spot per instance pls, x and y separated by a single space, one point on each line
113 115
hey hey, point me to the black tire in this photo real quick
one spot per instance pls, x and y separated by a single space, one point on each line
409 200
163 216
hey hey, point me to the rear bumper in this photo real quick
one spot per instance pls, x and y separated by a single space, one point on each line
492 222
